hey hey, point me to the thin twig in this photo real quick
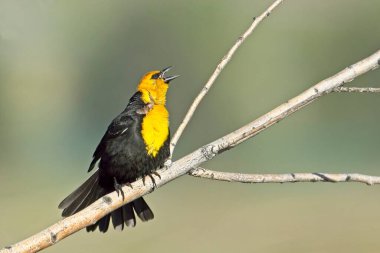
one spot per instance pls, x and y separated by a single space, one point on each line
283 178
216 73
357 89
112 201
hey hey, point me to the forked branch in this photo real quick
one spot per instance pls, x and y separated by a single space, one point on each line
112 201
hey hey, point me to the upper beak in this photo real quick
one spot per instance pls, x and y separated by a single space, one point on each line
167 79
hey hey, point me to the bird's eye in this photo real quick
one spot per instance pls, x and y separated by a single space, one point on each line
155 76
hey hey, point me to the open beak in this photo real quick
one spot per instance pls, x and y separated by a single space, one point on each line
167 79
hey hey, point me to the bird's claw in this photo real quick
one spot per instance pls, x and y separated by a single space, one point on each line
118 188
153 181
157 174
152 178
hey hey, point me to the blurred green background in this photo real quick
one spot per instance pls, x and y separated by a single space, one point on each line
68 67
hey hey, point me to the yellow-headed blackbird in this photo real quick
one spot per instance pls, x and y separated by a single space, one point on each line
135 144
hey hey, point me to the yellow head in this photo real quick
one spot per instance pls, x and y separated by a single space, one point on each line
154 86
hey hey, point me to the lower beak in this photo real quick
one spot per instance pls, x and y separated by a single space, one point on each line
170 78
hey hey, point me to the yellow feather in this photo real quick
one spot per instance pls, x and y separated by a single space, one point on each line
155 129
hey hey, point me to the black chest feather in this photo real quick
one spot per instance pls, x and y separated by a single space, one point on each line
125 157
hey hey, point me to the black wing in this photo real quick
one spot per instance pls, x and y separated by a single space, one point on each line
119 125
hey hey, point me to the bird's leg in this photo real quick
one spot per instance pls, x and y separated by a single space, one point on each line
118 188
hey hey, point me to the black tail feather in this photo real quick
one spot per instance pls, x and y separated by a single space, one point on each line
129 215
104 223
117 219
89 192
89 195
92 227
142 209
84 188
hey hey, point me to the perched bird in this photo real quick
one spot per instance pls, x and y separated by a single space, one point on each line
135 145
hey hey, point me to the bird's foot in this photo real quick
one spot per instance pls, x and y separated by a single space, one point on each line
118 188
152 178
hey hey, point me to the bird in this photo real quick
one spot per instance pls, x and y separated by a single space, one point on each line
135 145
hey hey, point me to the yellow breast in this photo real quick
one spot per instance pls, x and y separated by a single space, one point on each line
155 129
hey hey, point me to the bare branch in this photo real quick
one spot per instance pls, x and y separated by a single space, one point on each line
283 178
219 68
112 201
357 89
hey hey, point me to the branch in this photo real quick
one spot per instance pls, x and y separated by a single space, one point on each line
219 68
112 201
283 178
357 89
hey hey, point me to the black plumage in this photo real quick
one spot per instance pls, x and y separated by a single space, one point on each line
122 157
